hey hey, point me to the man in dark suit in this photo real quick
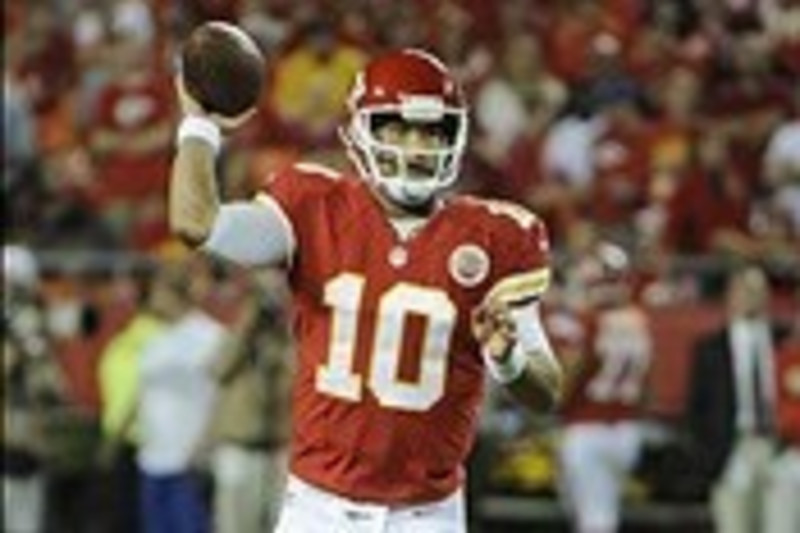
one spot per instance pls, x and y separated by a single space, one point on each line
731 404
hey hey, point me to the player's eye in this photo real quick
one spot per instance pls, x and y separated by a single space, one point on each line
445 129
388 127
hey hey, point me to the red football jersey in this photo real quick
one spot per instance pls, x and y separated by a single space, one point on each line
389 375
614 367
788 380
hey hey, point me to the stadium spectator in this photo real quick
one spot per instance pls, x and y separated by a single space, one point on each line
32 388
745 98
267 22
47 69
130 132
621 152
118 377
781 18
568 166
310 84
19 141
668 37
709 213
514 107
577 25
175 404
781 165
22 175
674 133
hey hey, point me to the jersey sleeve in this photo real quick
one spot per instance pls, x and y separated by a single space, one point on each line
251 234
522 254
295 193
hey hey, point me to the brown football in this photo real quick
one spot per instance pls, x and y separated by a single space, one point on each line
222 68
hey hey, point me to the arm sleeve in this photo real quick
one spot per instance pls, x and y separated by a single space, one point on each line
254 233
531 342
531 336
523 259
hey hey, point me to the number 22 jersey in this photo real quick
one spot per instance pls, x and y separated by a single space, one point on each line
389 377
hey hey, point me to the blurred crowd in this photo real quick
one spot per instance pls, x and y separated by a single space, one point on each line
153 398
671 128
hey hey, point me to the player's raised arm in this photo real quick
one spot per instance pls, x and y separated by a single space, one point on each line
218 88
193 198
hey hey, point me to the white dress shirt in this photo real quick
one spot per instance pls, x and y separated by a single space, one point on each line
751 345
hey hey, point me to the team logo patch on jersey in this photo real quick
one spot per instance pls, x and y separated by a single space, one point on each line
469 265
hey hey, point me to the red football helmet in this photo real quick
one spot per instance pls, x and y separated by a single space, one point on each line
413 86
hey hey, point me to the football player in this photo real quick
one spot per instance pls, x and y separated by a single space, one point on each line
404 296
606 376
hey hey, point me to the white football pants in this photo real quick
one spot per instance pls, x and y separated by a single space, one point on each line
596 460
308 509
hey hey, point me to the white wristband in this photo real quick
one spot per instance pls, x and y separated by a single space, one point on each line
200 128
509 370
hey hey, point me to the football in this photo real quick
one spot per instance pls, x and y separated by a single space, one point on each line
222 68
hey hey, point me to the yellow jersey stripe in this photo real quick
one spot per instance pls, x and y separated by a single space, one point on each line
520 288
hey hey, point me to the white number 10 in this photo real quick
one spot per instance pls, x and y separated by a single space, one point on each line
337 376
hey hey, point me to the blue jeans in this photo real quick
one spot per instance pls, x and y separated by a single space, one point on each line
173 504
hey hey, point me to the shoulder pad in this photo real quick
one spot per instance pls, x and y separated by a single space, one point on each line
309 168
522 216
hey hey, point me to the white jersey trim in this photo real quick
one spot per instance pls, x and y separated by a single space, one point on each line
521 287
